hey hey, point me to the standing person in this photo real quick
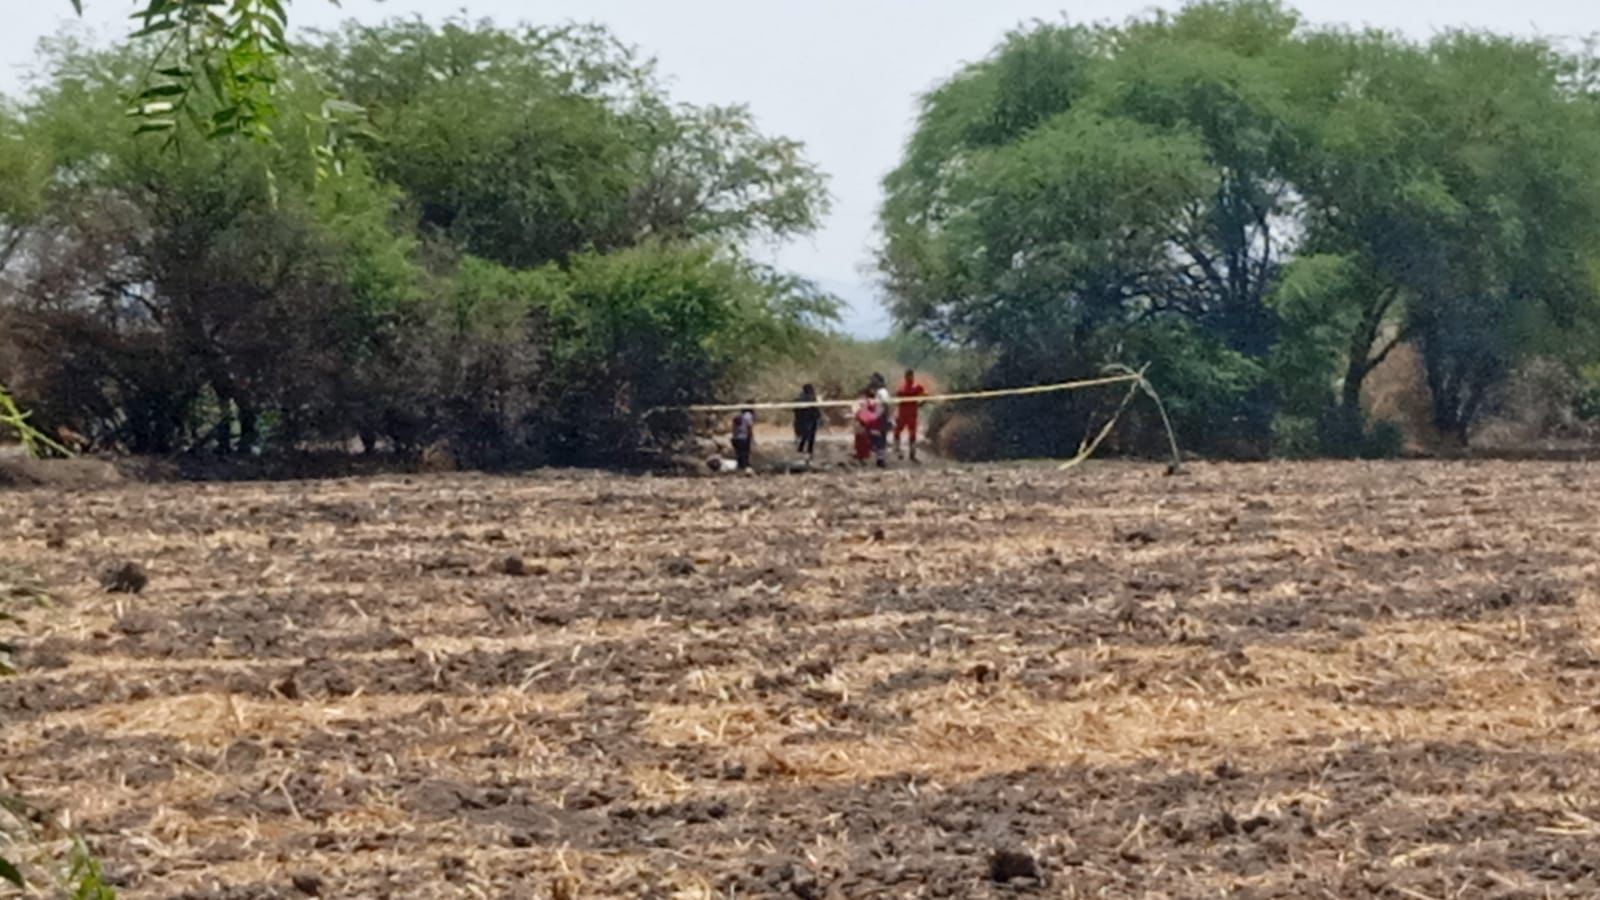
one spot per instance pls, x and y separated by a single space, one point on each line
806 420
906 421
864 418
880 440
744 437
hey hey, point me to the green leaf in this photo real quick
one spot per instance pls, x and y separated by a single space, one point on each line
156 27
343 108
155 8
9 872
86 877
164 90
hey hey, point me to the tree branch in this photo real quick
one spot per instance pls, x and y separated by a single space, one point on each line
1388 348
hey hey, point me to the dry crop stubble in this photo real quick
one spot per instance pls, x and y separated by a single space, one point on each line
1337 680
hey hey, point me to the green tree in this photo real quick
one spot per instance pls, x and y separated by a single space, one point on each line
1082 184
525 146
24 179
1458 178
172 299
1262 210
662 325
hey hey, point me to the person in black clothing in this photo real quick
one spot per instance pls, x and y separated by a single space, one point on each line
806 421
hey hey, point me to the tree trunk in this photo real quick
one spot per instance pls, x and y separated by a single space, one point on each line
1361 360
249 428
1446 392
224 430
1350 394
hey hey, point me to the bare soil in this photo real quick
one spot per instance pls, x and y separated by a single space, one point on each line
1313 680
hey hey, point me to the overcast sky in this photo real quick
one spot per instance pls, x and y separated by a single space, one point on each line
841 75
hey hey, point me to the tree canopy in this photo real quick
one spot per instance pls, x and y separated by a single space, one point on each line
1260 209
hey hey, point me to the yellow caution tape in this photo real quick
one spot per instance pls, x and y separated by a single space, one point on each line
929 398
34 441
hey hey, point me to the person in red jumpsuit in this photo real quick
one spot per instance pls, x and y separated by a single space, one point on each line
906 421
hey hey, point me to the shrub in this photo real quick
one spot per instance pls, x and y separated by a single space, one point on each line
1384 440
967 437
1296 437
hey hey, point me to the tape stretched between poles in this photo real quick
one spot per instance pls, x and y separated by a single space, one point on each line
1136 381
932 398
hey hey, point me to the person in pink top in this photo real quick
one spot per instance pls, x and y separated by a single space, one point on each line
866 421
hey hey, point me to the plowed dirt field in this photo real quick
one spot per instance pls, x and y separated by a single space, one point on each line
1253 681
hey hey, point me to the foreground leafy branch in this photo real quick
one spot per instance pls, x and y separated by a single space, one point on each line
228 51
34 441
231 51
84 877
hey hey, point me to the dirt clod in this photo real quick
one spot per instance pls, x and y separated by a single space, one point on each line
817 668
1254 824
678 568
124 578
1143 536
1011 865
317 679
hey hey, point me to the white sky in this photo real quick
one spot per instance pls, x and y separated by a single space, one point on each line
841 75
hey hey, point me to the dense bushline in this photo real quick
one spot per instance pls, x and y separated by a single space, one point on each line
510 241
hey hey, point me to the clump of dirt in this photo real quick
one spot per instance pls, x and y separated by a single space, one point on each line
317 679
678 567
1006 866
56 537
1141 536
124 578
